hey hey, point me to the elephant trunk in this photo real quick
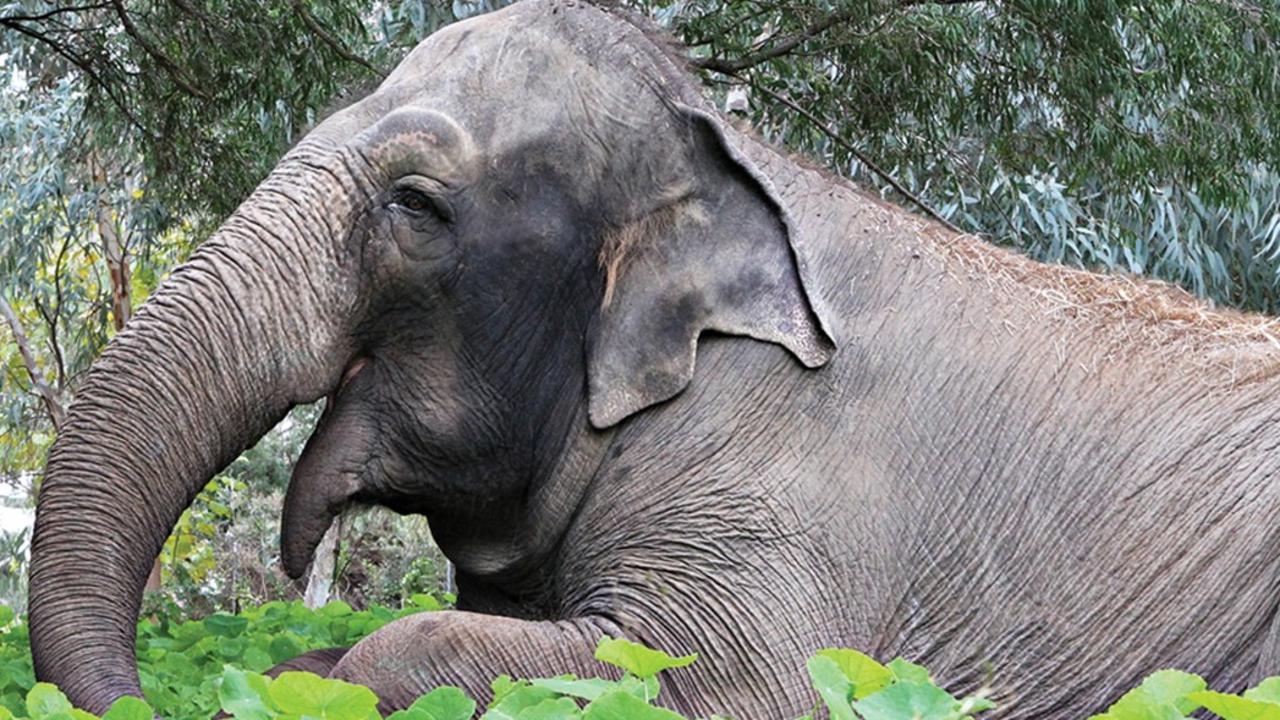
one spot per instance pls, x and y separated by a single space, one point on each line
256 322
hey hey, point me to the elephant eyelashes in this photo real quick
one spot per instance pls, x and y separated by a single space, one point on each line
418 203
413 200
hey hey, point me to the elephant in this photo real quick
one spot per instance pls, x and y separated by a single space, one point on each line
648 376
319 662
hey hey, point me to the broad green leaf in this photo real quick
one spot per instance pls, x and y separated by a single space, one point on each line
17 674
426 602
904 671
909 700
833 686
622 705
408 715
1234 707
502 686
257 659
975 704
284 647
637 659
6 615
1267 691
129 708
446 703
864 672
1171 687
555 709
646 689
335 608
245 695
300 693
1138 704
587 689
1163 695
513 697
225 625
14 703
46 700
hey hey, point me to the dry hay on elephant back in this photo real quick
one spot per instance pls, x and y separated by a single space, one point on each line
1125 316
1128 317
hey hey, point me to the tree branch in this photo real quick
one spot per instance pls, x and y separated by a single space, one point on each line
113 253
779 49
319 31
170 66
57 413
790 43
197 13
80 63
55 317
57 11
910 3
862 158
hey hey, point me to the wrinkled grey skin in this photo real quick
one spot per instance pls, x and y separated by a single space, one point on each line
978 479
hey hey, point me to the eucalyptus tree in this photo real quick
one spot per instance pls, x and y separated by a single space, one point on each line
129 129
1131 135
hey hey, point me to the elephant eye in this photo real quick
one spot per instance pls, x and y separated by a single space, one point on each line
414 201
421 197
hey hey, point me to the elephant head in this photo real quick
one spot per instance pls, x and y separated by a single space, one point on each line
515 241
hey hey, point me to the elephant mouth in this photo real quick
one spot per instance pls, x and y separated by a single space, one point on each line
324 478
353 368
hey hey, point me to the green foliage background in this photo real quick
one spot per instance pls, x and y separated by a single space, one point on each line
1112 134
1130 136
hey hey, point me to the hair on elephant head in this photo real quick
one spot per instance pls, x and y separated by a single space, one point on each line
511 246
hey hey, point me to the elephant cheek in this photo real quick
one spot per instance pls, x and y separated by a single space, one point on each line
330 471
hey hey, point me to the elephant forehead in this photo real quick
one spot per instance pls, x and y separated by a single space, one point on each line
416 140
528 45
562 77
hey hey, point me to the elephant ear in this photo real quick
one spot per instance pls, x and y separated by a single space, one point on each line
717 252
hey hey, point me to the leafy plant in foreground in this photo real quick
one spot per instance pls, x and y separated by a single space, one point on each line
1174 695
181 663
852 686
194 669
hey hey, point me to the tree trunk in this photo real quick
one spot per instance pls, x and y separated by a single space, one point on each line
113 252
320 579
48 394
